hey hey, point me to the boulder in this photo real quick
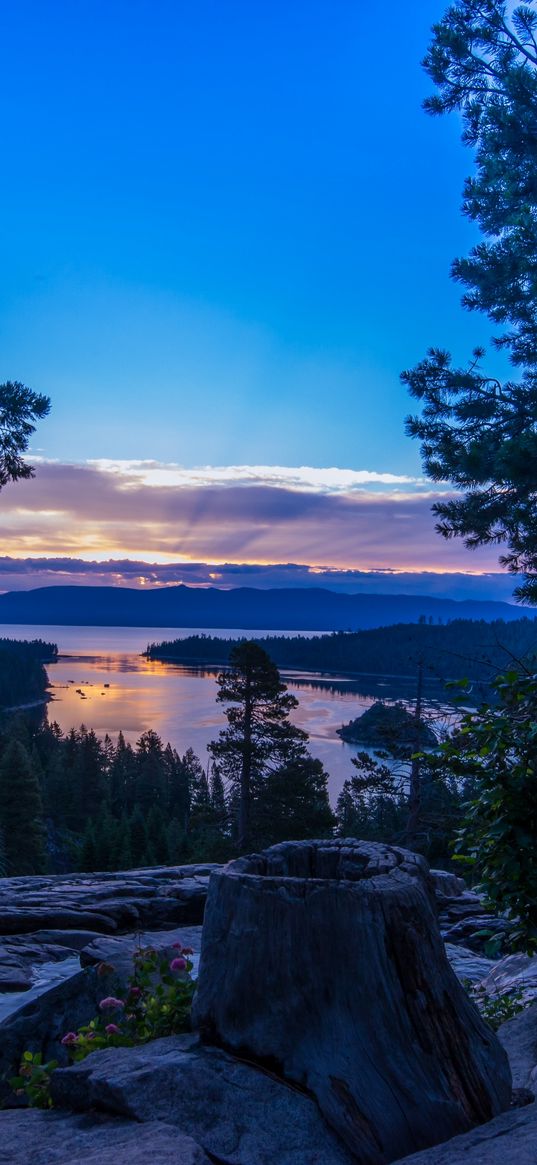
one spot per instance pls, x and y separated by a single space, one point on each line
468 967
38 1024
477 932
50 1138
237 1113
447 885
118 951
513 973
324 961
510 1139
519 1038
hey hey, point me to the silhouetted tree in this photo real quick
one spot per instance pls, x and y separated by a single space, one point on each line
476 432
150 779
19 409
260 742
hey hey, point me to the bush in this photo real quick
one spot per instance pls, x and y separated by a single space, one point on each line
496 750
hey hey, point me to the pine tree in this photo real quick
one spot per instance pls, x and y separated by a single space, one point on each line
150 771
88 853
21 812
121 778
260 738
89 775
218 799
176 842
476 432
293 804
177 786
138 836
20 407
156 834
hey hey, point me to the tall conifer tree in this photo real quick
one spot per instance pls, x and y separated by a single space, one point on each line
21 812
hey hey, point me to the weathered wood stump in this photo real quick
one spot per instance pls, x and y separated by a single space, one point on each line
323 961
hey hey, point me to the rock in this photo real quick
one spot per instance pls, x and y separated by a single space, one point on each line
119 951
22 956
15 975
324 960
519 1038
467 965
237 1113
50 1138
39 1025
513 973
104 902
446 884
510 1139
470 930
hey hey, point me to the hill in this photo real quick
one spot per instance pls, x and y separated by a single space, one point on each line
242 608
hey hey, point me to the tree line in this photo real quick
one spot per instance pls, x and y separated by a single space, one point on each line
461 649
23 678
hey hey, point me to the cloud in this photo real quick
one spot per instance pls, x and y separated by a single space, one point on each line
303 477
343 519
25 573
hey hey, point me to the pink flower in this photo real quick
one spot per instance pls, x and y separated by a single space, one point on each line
135 992
112 1029
188 951
177 946
69 1039
178 965
111 1004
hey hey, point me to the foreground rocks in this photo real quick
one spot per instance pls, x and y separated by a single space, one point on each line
510 1139
45 920
324 959
519 1038
235 1112
57 1139
38 1024
177 1101
104 903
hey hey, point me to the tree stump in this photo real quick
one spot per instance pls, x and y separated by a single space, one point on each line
323 961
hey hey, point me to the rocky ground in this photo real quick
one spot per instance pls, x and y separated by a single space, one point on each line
174 1100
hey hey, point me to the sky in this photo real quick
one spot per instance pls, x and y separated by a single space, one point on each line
225 229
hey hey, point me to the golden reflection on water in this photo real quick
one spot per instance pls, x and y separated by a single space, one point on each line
119 688
127 691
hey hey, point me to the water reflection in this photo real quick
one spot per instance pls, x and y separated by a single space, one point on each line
128 692
103 680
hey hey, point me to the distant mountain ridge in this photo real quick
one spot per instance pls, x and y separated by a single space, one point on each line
244 608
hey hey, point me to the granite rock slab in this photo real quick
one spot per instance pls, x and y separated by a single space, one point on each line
105 902
519 1038
238 1113
52 1138
509 1139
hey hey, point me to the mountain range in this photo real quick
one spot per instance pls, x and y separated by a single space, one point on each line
241 608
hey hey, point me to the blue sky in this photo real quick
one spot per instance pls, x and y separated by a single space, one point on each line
226 228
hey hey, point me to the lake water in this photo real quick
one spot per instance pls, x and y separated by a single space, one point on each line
102 680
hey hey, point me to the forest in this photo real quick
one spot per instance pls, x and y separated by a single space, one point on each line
461 649
23 679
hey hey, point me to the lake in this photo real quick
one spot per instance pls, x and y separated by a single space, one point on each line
102 680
